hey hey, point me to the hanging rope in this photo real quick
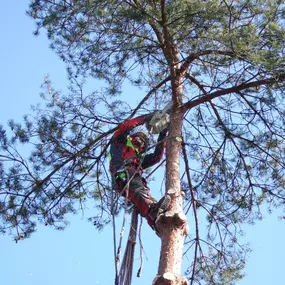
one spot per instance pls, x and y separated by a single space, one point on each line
124 276
141 250
113 205
126 271
119 251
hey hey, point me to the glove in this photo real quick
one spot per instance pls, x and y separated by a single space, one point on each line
162 135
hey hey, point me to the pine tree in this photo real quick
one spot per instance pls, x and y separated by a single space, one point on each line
220 62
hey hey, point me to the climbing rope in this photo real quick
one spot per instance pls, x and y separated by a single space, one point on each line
141 250
114 235
119 250
126 271
124 275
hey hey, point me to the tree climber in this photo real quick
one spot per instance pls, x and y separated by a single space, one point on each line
127 163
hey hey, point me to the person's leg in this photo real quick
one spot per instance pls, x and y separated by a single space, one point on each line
131 183
140 196
157 209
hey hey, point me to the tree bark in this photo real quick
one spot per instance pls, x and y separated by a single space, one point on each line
172 226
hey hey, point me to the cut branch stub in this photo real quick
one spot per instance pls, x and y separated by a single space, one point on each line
169 278
171 219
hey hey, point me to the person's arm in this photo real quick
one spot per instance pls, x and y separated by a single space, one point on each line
131 124
153 158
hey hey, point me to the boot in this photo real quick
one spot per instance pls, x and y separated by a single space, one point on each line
157 209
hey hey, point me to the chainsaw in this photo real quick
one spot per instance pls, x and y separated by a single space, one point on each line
160 119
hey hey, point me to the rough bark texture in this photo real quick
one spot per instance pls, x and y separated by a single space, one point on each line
172 226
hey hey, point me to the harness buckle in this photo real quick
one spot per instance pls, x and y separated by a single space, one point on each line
121 174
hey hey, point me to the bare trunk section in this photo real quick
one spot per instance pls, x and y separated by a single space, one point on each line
172 226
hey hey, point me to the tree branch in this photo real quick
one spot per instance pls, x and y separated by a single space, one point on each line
149 94
196 55
235 89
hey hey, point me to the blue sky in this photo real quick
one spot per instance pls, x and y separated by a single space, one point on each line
81 255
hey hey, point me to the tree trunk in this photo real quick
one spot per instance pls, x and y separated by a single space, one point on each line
172 226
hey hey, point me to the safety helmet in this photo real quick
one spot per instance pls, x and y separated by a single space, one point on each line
142 137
